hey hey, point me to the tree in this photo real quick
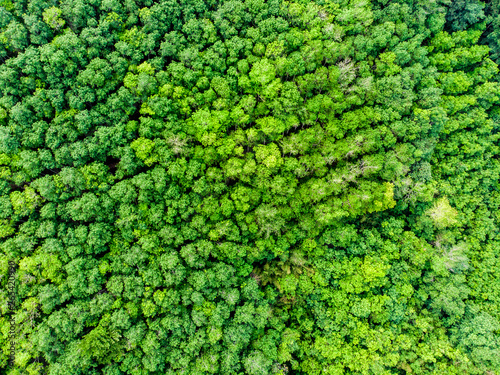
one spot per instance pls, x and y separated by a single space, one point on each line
462 14
52 17
101 343
442 214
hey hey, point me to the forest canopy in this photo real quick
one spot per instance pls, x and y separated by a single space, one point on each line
249 187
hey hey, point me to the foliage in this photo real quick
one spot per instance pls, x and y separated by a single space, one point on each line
250 187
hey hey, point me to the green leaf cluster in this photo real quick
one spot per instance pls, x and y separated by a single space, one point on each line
250 187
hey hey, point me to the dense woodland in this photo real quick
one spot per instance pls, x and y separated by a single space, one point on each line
250 187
